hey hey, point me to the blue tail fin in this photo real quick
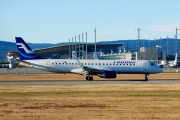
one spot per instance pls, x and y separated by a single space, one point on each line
25 52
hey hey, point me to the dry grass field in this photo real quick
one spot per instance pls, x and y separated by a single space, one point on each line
89 102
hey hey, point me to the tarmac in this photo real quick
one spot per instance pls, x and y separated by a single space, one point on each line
36 71
80 82
77 82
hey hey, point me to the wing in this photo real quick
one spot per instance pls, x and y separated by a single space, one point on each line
91 69
99 71
95 69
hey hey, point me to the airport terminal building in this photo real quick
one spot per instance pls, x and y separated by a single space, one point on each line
103 51
82 51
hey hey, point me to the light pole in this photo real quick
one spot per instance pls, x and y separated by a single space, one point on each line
95 40
177 45
138 37
82 45
177 40
86 44
167 46
69 49
138 41
75 45
72 46
79 45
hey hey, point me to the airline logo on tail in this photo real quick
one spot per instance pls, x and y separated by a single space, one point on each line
25 52
21 45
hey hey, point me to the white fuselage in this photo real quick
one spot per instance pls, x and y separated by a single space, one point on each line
172 63
72 66
175 62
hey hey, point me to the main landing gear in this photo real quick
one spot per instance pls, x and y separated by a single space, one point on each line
146 78
89 78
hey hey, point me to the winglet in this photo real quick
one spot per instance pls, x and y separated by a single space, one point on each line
75 57
25 52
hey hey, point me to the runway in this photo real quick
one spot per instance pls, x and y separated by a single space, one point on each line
36 71
76 82
81 82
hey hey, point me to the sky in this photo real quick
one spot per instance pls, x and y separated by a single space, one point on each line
56 21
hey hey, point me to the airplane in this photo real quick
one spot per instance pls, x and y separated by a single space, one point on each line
101 68
173 63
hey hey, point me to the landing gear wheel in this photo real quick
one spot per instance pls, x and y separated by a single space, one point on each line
89 78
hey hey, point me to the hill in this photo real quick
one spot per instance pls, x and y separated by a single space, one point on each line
168 45
11 46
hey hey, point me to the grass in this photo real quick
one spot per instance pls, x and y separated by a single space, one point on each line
92 102
164 93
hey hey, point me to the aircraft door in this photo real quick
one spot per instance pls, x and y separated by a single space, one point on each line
47 63
145 66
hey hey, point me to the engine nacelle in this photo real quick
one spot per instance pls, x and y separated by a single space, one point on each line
109 74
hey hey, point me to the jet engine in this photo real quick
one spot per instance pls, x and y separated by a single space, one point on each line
109 74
